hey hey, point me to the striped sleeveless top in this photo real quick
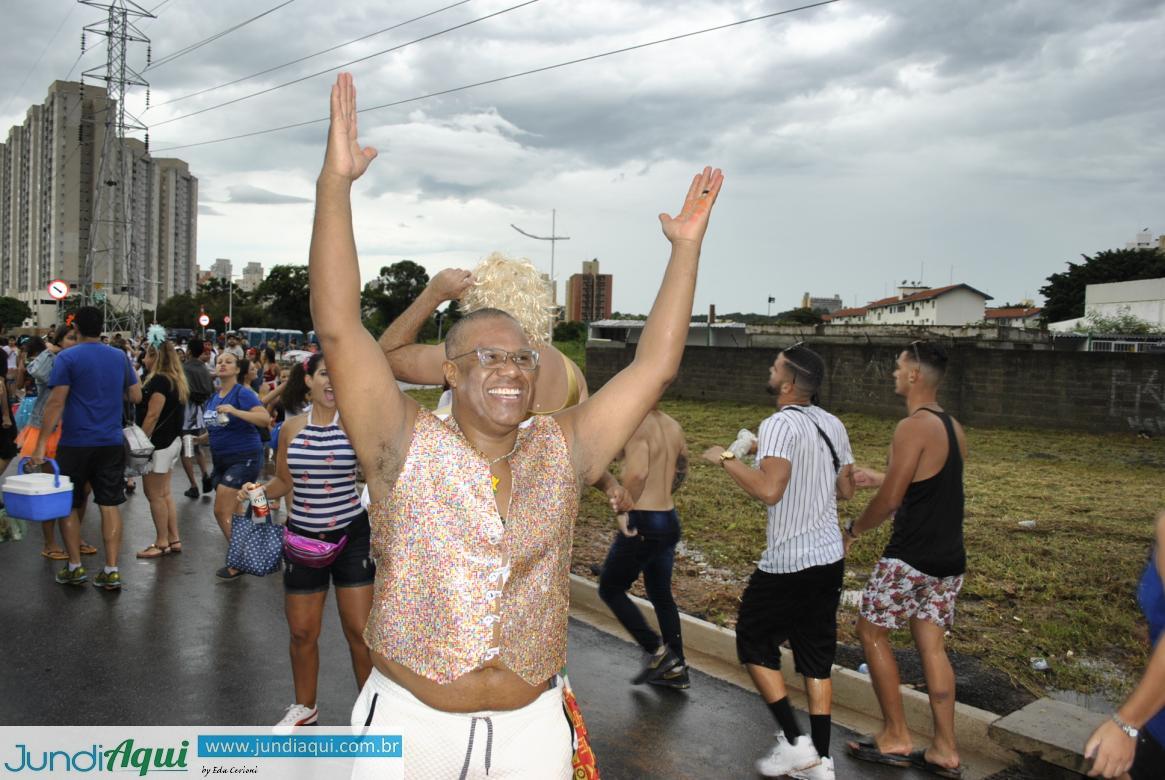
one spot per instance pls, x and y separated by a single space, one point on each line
323 473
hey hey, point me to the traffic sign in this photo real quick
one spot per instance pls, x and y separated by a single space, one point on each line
203 320
58 289
227 320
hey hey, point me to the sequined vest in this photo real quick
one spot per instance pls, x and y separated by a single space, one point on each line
455 586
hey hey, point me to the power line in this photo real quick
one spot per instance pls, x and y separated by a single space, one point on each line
532 71
182 52
346 64
310 56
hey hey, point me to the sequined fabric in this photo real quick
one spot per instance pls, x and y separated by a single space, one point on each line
455 587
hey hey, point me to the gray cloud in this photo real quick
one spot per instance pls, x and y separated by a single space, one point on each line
208 211
247 193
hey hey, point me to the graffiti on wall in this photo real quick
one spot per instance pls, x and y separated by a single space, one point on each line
1138 399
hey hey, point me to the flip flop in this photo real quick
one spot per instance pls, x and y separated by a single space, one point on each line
919 761
154 551
88 549
176 546
866 749
55 555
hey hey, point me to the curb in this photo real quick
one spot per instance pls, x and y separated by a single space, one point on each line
851 690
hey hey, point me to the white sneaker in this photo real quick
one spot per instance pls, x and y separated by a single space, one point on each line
823 771
297 715
787 757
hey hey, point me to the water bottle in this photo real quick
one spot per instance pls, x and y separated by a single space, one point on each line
188 446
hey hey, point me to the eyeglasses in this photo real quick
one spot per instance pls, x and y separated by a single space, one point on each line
495 357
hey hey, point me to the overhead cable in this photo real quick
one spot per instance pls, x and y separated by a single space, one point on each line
532 71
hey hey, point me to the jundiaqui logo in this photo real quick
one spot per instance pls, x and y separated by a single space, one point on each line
96 758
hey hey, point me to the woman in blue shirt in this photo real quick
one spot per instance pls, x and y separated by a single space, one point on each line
232 416
1133 740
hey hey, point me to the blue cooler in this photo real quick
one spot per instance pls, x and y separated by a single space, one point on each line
38 497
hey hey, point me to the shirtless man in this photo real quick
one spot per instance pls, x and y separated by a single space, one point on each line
517 288
919 575
655 463
472 517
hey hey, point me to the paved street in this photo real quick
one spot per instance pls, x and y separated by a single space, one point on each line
176 646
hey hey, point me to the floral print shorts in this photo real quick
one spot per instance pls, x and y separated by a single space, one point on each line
897 592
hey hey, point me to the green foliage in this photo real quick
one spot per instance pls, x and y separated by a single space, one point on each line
178 311
1123 323
391 292
13 312
1064 292
283 300
800 316
570 331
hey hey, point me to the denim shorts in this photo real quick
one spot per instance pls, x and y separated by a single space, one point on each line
235 469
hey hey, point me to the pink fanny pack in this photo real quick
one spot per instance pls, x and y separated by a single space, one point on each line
314 553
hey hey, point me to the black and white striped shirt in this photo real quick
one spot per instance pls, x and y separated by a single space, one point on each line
803 529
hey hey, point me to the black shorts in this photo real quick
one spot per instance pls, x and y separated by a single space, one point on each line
353 567
1149 762
800 607
103 468
8 448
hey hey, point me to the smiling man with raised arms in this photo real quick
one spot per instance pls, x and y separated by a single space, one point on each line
472 516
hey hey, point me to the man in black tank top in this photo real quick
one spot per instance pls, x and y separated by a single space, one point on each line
921 571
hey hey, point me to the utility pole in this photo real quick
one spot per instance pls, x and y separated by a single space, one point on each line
111 244
553 238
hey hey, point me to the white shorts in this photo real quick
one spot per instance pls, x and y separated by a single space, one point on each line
532 743
164 459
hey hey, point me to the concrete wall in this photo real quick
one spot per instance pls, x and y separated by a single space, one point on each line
1144 299
1088 391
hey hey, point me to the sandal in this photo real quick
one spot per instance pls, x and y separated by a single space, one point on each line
55 555
866 749
176 546
88 549
919 761
154 551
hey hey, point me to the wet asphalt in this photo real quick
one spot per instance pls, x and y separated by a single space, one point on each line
178 647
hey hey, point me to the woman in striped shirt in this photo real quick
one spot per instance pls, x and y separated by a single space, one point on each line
317 467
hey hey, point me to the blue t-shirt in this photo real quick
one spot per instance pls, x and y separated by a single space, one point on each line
237 435
97 376
1151 595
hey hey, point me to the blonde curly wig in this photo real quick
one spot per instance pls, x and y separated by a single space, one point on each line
517 288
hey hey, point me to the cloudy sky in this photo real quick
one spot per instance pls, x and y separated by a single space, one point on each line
864 142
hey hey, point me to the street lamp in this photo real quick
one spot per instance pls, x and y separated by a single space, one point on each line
553 239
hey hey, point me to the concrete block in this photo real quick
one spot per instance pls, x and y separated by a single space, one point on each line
1054 731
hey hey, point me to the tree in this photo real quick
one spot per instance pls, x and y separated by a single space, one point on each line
285 297
13 312
799 317
1124 323
178 311
391 292
1065 291
570 331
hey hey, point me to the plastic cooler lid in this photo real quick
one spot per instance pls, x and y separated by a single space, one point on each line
35 484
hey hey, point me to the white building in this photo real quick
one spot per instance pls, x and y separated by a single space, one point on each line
222 269
723 334
852 316
1014 316
956 304
252 276
1144 240
1143 299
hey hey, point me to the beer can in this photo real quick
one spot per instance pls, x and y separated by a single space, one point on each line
188 446
259 507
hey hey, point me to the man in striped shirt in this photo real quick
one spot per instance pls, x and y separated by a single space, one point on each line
804 464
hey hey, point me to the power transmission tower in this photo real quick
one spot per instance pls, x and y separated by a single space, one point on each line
115 263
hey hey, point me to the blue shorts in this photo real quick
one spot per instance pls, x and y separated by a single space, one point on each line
236 469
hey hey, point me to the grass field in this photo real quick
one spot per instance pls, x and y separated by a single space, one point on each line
1064 591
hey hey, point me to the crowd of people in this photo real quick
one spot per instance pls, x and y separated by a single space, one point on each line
451 570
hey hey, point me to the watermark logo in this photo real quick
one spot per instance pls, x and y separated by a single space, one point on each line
125 757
